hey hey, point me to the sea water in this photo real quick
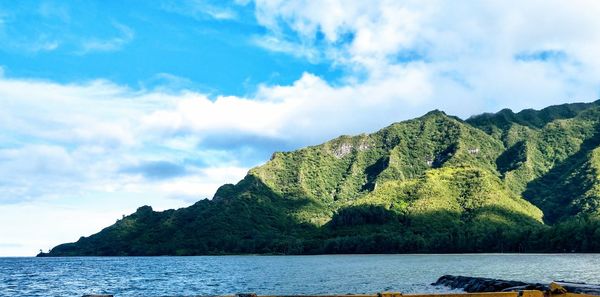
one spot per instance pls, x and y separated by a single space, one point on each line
327 274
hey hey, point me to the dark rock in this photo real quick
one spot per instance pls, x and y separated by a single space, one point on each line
482 284
476 284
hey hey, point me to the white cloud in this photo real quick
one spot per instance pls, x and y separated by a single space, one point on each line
44 46
125 36
467 49
202 183
42 43
376 28
310 110
281 45
200 9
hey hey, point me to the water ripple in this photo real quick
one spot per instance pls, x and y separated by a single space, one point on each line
340 274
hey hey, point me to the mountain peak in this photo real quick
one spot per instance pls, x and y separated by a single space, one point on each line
434 113
531 118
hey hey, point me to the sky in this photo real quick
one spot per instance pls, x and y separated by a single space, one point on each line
106 106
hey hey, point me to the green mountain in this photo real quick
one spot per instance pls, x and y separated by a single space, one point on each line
527 181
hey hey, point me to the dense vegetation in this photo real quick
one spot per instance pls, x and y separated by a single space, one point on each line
504 182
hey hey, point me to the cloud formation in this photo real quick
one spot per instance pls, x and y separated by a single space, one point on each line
201 9
488 54
125 35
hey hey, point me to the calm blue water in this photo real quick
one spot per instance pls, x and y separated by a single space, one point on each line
180 276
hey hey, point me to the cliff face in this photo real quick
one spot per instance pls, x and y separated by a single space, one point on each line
494 182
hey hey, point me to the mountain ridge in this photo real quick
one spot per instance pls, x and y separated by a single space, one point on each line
494 182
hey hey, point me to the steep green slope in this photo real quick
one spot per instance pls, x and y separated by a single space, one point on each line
550 163
432 184
342 170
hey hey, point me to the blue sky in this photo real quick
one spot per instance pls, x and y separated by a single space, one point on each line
146 44
109 105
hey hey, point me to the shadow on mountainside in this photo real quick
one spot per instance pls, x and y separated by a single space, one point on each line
555 191
375 229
